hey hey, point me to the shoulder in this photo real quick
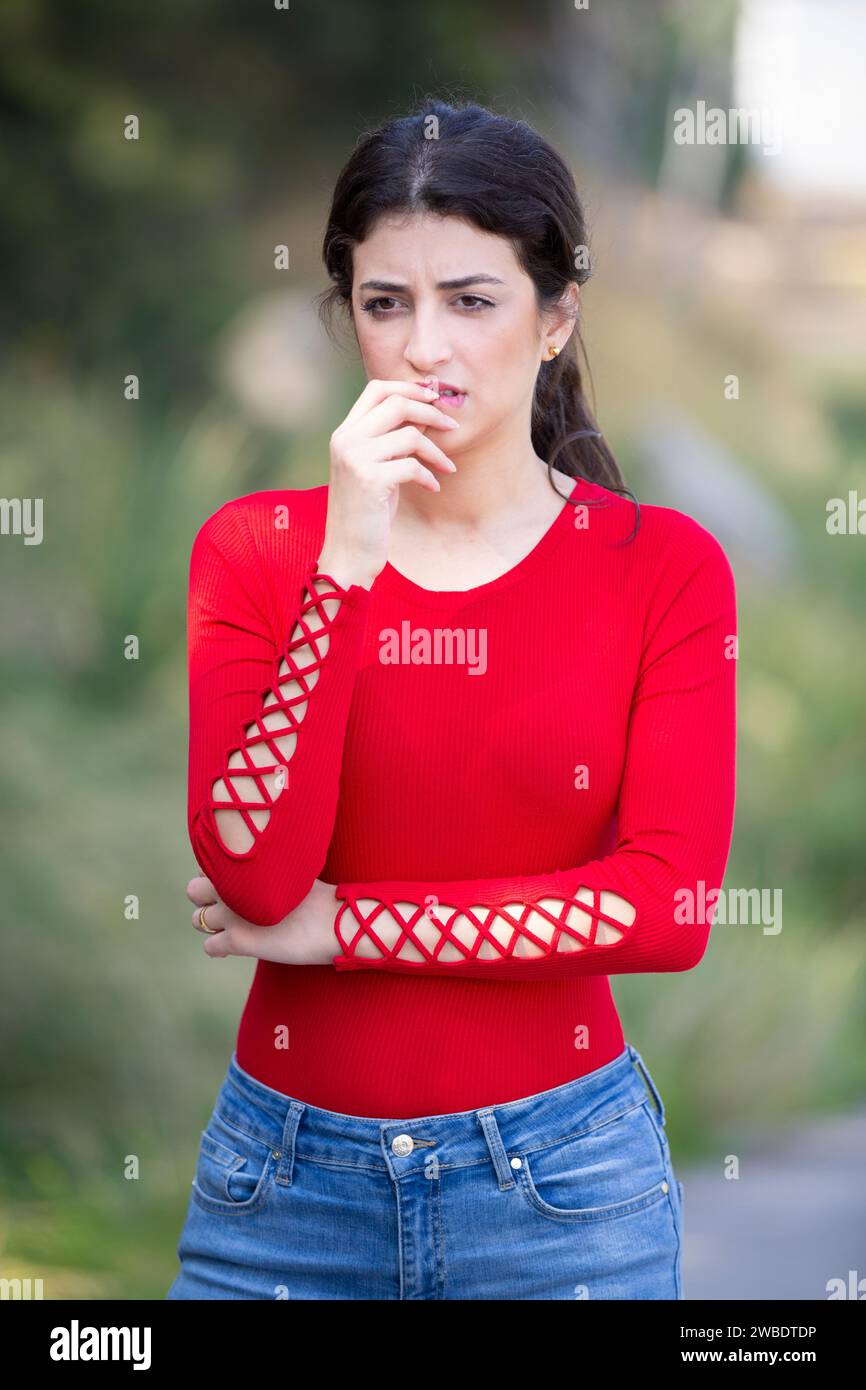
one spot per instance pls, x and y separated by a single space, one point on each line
266 525
680 540
671 557
692 566
258 514
664 538
254 551
688 577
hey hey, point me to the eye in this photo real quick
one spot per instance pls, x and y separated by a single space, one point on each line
372 306
481 302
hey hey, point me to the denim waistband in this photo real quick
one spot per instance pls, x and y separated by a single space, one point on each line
402 1146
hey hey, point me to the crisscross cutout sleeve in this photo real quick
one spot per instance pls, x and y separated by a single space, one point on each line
273 653
647 906
298 671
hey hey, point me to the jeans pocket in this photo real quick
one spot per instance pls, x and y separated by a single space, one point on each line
233 1168
605 1172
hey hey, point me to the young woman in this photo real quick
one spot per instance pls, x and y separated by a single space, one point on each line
452 765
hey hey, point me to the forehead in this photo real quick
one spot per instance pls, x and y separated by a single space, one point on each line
422 246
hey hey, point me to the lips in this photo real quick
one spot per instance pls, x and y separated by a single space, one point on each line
450 395
443 386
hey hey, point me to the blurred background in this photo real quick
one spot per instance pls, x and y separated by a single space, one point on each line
726 330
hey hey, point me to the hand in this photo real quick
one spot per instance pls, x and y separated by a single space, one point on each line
305 937
380 444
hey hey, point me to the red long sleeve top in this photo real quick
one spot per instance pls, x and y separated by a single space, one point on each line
518 790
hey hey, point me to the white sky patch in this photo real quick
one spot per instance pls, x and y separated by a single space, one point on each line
806 60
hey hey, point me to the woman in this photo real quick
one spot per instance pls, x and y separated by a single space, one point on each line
451 767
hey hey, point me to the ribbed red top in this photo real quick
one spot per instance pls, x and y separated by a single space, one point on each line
533 779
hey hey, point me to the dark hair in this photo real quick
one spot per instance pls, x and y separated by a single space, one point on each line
502 176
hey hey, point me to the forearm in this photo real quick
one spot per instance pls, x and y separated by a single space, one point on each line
271 740
268 719
619 915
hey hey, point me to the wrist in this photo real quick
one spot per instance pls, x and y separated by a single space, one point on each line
323 942
345 571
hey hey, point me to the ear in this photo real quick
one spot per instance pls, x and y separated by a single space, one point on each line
572 301
566 313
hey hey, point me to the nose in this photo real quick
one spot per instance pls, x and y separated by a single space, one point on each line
427 349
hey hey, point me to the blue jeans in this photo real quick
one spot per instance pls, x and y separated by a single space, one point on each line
569 1193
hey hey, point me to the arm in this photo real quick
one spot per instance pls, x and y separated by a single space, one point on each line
629 911
272 664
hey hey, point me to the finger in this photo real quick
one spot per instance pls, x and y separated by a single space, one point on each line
217 916
377 390
404 442
393 412
237 940
200 890
218 946
407 470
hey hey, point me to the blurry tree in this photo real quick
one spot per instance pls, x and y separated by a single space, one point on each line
616 72
125 255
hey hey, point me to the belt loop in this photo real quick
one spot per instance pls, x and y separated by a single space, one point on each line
487 1121
286 1151
638 1061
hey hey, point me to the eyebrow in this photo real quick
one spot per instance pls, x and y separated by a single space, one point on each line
391 287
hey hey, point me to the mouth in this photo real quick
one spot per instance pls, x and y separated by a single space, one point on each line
451 395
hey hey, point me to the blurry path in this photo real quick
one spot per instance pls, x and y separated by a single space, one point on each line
794 1219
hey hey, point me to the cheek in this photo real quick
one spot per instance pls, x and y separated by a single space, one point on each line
383 357
508 348
377 350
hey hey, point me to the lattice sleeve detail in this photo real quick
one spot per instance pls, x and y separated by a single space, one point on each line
274 730
490 926
648 905
267 727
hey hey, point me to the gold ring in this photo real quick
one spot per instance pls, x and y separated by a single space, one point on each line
202 924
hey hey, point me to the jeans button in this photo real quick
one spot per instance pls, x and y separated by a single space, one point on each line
403 1144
